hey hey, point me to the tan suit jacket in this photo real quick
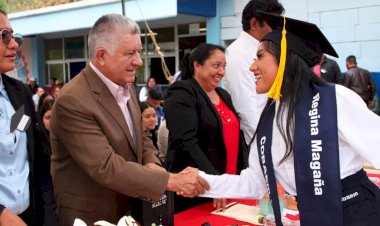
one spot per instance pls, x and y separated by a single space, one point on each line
96 166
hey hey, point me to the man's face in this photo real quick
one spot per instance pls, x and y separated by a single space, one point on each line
155 103
40 91
7 52
120 66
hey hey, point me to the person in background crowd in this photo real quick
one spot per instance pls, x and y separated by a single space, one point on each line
43 98
375 105
101 159
50 217
239 81
359 80
204 128
19 192
149 119
329 70
59 83
52 85
150 83
33 86
162 141
155 98
307 139
56 91
36 97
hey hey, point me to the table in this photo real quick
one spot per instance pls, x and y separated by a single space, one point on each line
198 215
373 175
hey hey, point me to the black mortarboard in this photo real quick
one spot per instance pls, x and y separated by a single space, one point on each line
302 38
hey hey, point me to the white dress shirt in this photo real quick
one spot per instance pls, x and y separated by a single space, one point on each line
240 83
121 94
358 135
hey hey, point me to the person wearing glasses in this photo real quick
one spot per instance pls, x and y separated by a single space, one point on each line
18 190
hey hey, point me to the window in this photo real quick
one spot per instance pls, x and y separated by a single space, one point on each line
194 28
65 57
53 49
74 47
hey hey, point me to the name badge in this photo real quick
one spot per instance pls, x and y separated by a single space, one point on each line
20 121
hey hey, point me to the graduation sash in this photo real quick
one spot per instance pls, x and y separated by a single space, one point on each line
316 157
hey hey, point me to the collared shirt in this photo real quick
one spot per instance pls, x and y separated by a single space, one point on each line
121 94
240 83
160 116
14 165
358 141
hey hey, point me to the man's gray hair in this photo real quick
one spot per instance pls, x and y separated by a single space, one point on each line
104 32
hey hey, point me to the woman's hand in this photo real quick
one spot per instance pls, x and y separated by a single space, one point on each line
220 204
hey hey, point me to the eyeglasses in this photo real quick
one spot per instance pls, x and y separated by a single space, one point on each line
7 35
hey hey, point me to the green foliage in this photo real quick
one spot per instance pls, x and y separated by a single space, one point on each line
4 6
23 5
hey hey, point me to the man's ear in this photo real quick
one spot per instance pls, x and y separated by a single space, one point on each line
253 23
196 65
100 56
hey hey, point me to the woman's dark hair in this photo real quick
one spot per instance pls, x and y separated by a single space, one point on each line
145 105
42 99
147 81
297 77
45 107
250 11
200 54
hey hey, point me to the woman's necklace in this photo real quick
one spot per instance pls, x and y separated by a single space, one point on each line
223 111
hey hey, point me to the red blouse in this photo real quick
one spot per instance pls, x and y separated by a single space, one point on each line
231 132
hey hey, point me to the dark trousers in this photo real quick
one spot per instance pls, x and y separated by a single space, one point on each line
360 201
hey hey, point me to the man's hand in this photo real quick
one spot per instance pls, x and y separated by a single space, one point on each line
187 183
155 166
7 218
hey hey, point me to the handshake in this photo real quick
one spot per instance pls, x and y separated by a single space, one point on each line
187 183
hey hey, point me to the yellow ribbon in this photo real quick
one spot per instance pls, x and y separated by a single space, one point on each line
164 67
275 90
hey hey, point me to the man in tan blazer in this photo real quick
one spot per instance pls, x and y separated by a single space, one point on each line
99 155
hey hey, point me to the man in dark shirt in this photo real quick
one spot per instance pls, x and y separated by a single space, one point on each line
329 70
359 80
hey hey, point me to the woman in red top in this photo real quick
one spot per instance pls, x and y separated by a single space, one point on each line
204 130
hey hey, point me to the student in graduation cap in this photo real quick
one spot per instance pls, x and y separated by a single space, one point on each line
315 148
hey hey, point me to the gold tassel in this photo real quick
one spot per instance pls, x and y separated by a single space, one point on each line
275 90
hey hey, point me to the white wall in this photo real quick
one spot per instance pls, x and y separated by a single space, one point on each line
352 26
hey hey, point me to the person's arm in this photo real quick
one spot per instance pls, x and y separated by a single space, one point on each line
250 184
162 141
359 136
182 122
347 79
7 218
371 86
80 131
337 73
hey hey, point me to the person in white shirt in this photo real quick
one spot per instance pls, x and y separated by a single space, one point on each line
36 97
312 146
239 81
150 83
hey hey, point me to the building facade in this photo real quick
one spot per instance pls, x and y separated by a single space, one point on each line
353 27
56 37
